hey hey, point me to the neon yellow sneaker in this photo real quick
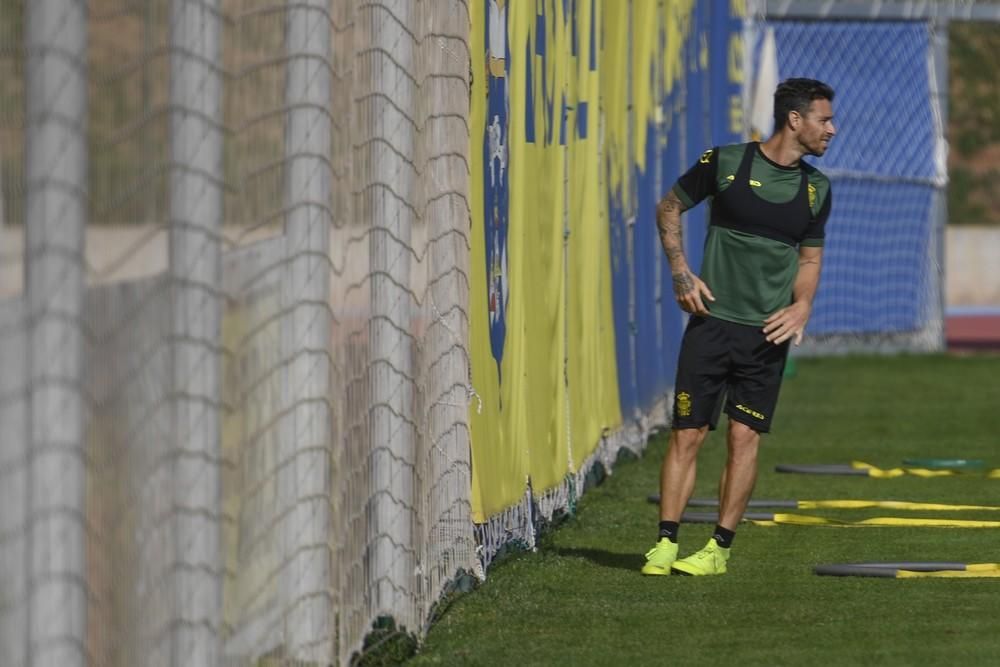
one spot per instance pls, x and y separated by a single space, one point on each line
710 560
661 557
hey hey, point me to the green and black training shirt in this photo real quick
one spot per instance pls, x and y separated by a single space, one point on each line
760 213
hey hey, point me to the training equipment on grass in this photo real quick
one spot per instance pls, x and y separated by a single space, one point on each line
862 469
712 502
946 464
713 517
846 505
769 519
822 469
909 570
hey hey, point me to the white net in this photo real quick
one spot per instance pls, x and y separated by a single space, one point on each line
234 391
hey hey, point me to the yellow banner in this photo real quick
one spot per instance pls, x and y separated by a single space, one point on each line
499 466
562 96
591 371
541 319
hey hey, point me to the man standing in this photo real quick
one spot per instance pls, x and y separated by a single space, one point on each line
760 272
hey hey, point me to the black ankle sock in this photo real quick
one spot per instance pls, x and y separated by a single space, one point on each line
669 529
724 537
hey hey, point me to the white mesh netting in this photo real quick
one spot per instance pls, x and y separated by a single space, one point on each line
234 396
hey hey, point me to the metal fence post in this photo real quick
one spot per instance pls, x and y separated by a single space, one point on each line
388 182
195 209
305 478
55 216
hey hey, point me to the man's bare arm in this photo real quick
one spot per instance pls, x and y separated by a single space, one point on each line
807 280
688 288
791 322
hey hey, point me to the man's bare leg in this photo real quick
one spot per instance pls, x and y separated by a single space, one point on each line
676 484
678 472
739 475
735 487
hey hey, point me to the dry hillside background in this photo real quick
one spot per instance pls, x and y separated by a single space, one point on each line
974 123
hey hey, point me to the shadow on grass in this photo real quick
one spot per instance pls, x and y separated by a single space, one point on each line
629 561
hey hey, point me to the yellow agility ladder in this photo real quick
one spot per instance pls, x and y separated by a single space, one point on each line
914 570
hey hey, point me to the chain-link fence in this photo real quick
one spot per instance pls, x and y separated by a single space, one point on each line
232 321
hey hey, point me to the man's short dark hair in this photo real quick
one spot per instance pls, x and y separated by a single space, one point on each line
797 95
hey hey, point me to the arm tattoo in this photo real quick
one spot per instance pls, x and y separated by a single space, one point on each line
668 222
683 283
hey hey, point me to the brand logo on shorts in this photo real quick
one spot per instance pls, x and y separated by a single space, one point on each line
752 413
683 404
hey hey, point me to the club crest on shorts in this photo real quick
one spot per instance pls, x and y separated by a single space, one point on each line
683 404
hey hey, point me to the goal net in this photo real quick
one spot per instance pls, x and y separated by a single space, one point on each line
882 268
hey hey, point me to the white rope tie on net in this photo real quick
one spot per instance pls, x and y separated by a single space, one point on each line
470 390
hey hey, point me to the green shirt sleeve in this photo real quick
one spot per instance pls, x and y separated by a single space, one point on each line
698 182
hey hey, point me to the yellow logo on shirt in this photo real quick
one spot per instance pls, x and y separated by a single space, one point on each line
756 184
706 156
812 196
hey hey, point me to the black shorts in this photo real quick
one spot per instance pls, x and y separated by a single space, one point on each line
721 359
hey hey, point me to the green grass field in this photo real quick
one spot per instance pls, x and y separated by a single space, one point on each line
580 600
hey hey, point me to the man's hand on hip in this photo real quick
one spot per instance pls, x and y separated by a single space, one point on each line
787 323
